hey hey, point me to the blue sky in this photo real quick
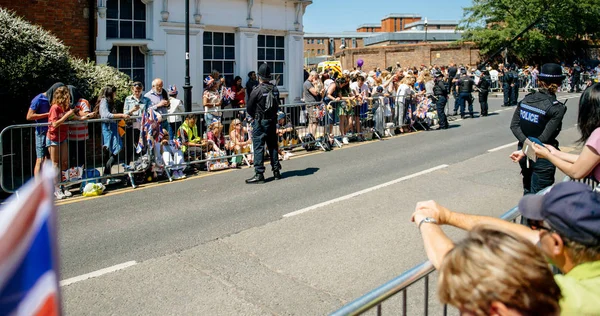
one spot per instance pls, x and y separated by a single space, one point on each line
347 15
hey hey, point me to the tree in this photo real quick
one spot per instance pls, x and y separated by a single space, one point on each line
32 59
563 29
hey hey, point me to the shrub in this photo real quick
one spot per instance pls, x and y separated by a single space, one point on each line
32 59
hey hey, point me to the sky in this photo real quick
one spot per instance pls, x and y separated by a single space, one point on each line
346 15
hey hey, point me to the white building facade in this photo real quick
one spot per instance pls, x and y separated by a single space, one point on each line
146 39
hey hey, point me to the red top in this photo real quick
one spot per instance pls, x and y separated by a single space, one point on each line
220 141
59 133
239 97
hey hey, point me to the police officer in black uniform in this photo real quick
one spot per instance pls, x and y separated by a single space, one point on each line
484 84
575 76
513 74
264 124
464 88
440 93
539 115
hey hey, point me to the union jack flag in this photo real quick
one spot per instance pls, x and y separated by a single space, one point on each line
228 94
29 264
208 81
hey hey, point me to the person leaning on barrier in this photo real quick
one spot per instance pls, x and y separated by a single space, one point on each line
539 115
588 122
78 133
494 272
175 106
440 94
111 140
135 104
38 112
159 101
564 223
263 105
310 94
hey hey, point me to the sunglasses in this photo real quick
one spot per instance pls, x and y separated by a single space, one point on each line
538 225
137 85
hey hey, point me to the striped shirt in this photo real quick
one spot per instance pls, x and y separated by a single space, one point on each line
80 131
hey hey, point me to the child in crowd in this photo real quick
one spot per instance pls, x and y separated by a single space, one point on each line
170 151
237 142
58 133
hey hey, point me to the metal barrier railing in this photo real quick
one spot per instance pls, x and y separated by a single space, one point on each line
400 284
421 272
332 124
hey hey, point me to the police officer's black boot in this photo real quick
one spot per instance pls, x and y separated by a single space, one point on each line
276 174
258 178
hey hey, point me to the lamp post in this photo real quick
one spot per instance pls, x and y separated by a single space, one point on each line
425 30
187 88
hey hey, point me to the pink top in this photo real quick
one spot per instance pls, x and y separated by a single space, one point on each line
593 143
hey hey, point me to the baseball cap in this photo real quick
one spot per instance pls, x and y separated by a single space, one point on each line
570 208
380 89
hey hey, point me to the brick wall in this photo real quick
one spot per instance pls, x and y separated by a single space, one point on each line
66 19
411 55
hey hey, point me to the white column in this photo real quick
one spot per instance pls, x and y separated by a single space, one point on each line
197 66
102 47
156 67
294 59
246 51
102 57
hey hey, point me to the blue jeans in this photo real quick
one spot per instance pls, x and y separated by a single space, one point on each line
264 132
462 98
41 149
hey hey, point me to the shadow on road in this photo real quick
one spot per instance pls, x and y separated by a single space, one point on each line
299 173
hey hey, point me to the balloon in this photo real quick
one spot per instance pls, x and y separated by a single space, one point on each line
360 62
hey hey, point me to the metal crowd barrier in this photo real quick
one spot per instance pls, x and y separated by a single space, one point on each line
375 118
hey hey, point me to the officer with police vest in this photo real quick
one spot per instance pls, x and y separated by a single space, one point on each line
464 87
484 84
440 93
263 105
539 115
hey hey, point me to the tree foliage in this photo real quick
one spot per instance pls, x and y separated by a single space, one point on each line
32 59
562 32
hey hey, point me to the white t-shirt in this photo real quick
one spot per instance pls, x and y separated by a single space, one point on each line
175 106
404 91
494 75
327 83
359 90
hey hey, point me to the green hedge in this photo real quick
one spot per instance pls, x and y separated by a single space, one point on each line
32 59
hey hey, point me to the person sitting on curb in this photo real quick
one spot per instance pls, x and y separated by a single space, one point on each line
172 157
564 223
191 143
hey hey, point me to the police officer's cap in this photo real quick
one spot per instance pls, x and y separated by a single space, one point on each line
551 72
264 72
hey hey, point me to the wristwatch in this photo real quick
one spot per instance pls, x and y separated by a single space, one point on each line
427 220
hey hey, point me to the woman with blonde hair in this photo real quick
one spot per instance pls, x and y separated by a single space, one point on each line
404 96
494 272
215 135
237 142
56 140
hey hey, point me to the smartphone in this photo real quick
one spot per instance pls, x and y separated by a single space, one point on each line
537 141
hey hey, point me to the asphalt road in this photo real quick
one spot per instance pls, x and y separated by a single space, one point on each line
212 220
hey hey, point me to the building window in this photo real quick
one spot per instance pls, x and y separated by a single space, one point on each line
219 54
130 60
125 19
331 46
307 41
271 50
354 43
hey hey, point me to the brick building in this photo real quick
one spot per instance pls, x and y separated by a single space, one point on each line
327 44
69 20
394 22
410 55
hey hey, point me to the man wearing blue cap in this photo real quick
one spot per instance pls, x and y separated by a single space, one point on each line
564 223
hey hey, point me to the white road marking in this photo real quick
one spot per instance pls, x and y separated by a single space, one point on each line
367 190
97 273
502 147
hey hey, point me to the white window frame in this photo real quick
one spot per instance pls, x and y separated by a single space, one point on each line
206 72
129 70
274 60
132 20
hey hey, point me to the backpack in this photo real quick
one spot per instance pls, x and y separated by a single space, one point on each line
271 101
308 142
